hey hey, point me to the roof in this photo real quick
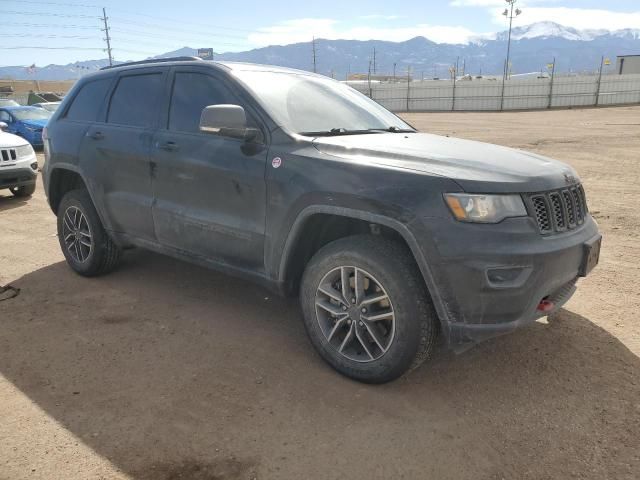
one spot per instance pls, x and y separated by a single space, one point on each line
239 66
626 56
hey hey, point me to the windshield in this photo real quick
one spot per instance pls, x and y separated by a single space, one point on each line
309 104
5 102
51 107
32 113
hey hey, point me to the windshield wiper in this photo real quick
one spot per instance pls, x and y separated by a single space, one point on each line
343 131
334 132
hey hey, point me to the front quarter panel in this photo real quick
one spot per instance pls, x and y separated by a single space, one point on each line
305 180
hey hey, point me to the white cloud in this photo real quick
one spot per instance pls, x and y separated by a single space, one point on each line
377 16
580 18
303 29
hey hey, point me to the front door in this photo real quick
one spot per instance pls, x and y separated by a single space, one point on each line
119 148
209 190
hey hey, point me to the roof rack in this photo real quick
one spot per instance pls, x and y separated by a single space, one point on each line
155 60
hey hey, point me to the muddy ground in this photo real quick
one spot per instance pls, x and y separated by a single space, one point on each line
163 370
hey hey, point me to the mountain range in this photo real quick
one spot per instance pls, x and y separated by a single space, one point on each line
533 47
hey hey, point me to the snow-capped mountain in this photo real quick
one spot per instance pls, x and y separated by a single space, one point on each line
533 47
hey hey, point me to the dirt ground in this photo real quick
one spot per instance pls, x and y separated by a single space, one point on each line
163 370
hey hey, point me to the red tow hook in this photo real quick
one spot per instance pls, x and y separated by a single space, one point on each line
546 306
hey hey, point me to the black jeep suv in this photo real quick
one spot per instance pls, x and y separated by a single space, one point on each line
389 236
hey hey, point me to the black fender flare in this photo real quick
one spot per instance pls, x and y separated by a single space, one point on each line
391 223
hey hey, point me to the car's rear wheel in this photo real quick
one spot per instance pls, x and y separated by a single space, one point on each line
366 309
23 190
85 244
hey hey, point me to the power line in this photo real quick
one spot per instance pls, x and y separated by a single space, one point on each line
127 32
58 4
47 25
42 47
30 35
46 14
161 27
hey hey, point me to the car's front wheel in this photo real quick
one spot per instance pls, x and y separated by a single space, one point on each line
366 309
85 244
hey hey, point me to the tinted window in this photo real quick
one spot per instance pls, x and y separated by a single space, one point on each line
191 93
88 101
5 117
135 99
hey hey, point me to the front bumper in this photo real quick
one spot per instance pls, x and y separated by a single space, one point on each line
17 177
467 261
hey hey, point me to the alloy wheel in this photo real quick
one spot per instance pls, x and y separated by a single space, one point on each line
355 314
76 233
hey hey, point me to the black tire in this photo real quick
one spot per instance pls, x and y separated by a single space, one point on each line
103 255
24 190
415 321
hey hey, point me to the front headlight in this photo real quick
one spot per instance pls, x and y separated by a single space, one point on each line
484 208
24 151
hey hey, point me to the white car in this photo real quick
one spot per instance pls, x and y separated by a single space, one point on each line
18 164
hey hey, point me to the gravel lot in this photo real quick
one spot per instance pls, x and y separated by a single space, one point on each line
163 370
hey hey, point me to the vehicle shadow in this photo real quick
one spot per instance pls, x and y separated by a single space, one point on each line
8 201
172 371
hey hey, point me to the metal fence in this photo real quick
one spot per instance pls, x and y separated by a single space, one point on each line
513 94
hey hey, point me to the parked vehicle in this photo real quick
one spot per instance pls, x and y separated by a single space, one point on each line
7 102
49 106
18 164
388 236
26 122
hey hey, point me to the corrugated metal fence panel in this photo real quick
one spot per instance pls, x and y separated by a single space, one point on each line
619 89
574 91
519 94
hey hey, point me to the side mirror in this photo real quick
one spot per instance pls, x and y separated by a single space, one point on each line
3 126
227 121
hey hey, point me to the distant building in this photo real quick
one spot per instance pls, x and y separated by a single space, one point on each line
628 64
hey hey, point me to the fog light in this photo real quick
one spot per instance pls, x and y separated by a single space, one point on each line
508 277
34 165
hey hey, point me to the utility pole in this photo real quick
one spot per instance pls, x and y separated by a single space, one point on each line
509 13
374 60
408 85
394 71
107 38
553 74
313 42
599 81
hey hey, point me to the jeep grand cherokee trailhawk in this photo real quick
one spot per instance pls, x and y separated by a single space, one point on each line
389 236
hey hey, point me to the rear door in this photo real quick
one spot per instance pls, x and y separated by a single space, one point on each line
209 190
119 148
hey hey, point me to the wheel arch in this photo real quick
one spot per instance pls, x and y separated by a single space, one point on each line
296 251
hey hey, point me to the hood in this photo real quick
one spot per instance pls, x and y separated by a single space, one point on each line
475 166
35 123
8 140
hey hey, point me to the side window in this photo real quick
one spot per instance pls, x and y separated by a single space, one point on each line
134 100
5 117
191 93
87 102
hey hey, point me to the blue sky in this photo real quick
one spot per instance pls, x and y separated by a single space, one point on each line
142 28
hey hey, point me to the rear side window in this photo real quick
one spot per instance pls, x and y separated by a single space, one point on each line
191 93
87 103
134 100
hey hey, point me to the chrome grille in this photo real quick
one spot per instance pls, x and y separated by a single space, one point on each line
8 154
558 210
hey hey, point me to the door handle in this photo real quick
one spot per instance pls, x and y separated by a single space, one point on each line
96 135
168 146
